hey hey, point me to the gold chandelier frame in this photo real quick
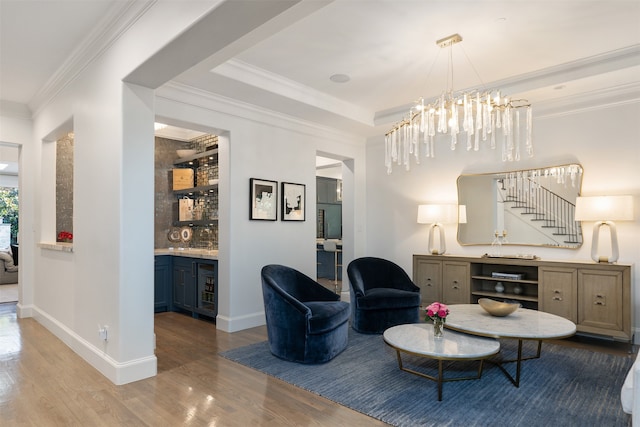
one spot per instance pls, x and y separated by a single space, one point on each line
483 113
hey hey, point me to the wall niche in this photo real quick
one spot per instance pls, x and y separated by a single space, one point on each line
64 185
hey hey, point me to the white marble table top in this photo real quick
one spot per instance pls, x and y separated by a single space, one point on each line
417 338
521 324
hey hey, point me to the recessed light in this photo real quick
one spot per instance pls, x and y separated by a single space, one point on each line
339 78
559 87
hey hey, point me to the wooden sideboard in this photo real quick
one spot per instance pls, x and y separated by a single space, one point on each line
595 296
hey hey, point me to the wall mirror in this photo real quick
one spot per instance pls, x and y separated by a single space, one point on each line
534 207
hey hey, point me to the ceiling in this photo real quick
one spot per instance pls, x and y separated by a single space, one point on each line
546 51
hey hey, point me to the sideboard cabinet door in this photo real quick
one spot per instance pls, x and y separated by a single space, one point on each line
427 275
455 282
601 303
558 287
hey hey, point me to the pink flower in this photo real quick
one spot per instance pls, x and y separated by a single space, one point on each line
437 310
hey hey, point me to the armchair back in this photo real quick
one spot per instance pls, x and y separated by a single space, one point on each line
370 272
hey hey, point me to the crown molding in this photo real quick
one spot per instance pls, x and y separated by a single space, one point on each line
583 68
120 17
275 83
189 95
611 97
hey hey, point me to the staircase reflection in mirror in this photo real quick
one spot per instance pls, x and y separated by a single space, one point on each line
535 207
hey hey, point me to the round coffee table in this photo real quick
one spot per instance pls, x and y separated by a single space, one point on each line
417 339
523 324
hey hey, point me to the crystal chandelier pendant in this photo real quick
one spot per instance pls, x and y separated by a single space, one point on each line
485 116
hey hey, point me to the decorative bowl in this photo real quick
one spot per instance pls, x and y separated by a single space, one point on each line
497 308
185 153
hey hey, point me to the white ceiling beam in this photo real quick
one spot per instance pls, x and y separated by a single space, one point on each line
230 28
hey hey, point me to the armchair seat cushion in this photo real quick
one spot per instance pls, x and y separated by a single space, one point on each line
326 316
387 298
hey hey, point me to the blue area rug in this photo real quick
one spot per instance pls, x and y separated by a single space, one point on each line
565 387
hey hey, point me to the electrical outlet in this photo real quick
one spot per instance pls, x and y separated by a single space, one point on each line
103 332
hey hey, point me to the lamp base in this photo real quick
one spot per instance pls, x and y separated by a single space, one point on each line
442 245
614 243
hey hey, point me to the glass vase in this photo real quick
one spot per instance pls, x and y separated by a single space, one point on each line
438 328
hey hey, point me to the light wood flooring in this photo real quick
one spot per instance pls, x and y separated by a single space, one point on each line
44 383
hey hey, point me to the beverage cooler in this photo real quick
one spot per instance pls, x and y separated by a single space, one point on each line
207 291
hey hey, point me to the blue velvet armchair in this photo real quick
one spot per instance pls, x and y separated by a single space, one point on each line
382 295
306 322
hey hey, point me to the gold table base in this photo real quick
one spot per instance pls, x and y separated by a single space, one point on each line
440 378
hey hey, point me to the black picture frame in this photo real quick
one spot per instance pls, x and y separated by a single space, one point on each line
293 202
263 199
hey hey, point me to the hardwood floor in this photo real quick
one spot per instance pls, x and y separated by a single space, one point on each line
44 383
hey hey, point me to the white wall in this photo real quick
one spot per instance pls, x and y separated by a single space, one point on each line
258 144
108 278
604 141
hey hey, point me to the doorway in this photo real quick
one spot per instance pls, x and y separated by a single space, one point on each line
9 225
329 222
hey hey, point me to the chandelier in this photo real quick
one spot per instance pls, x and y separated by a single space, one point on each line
481 114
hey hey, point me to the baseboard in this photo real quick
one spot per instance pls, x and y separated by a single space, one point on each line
117 372
23 311
235 324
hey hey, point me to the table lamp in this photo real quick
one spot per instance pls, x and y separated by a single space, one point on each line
436 215
604 210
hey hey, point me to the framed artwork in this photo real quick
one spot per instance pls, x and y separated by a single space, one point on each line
293 202
263 203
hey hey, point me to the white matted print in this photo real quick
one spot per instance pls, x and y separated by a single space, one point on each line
263 199
293 202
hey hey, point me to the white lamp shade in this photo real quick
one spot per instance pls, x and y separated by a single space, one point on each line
604 208
444 214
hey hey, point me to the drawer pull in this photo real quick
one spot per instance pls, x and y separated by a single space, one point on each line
557 291
600 300
557 298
